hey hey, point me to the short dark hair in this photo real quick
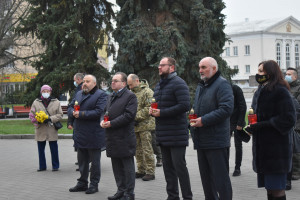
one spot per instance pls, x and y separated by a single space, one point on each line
123 76
293 69
171 61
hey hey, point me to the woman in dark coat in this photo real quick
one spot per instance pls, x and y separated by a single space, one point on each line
272 144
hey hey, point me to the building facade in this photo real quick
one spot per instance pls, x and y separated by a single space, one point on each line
253 42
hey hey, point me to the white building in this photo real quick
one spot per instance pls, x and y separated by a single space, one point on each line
256 41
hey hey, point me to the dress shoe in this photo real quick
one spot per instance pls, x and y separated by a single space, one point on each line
158 163
236 172
55 170
40 170
139 175
76 163
77 170
127 197
148 177
78 188
92 190
117 196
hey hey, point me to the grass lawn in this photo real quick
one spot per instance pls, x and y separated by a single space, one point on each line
26 127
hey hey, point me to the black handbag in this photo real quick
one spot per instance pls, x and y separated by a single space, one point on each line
57 125
296 142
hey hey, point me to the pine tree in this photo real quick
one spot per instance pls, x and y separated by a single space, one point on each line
71 31
188 30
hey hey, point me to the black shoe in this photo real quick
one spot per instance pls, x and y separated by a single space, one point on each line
288 185
236 172
139 175
117 196
159 162
76 163
127 197
55 170
77 170
78 188
40 170
148 177
92 190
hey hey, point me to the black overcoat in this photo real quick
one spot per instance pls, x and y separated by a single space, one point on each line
120 137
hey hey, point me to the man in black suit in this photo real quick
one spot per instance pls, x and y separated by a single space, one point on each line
121 109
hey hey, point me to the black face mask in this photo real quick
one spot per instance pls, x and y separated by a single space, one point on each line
261 78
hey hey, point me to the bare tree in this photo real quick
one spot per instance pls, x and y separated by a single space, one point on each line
15 48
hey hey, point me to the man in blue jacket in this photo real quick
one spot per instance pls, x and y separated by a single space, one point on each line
172 135
213 106
89 137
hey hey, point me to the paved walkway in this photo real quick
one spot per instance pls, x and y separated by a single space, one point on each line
20 181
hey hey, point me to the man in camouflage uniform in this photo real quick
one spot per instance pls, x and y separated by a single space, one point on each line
144 124
292 78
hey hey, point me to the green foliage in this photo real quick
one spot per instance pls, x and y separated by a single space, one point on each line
189 30
72 32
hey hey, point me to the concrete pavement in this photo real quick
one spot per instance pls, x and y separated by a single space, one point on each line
19 179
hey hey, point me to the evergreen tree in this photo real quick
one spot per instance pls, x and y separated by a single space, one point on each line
188 30
72 31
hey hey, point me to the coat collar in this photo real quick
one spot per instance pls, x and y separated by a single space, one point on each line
211 80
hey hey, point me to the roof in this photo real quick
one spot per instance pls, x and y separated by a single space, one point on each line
256 26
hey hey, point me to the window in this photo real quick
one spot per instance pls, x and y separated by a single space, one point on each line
235 51
247 49
297 55
227 51
287 55
278 53
247 68
235 67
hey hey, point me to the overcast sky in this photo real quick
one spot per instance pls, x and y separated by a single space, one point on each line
238 10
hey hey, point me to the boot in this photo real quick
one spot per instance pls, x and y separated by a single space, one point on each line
288 185
279 198
159 162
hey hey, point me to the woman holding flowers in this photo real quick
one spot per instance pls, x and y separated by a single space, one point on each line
45 111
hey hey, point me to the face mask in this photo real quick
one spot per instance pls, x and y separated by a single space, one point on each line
288 78
46 95
261 78
75 84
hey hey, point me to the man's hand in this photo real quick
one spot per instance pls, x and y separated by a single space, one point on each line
76 114
196 122
70 126
105 124
239 128
154 112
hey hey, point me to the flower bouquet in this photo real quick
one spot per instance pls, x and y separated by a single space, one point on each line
39 117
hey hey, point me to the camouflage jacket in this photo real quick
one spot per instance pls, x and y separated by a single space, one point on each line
143 121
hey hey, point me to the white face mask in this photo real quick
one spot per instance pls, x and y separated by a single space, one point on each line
46 95
75 84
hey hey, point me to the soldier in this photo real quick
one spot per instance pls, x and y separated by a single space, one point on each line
144 124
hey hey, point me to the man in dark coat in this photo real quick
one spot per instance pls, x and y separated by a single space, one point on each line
237 122
213 106
89 137
172 135
121 109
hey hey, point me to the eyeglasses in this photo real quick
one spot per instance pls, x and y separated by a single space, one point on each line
162 65
115 81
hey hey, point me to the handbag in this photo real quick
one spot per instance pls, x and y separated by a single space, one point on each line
296 142
57 125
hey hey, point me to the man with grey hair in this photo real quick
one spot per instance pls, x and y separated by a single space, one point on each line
89 137
213 105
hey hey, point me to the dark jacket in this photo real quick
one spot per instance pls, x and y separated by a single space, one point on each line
120 137
238 115
71 118
272 143
173 98
295 90
214 104
87 130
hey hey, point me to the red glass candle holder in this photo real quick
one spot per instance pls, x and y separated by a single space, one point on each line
106 118
154 105
76 107
252 118
192 116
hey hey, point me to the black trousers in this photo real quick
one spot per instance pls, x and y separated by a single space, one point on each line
175 169
124 172
156 149
238 150
213 166
85 156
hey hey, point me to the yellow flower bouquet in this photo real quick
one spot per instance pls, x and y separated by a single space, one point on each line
41 116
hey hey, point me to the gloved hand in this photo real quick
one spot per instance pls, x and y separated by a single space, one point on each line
47 120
